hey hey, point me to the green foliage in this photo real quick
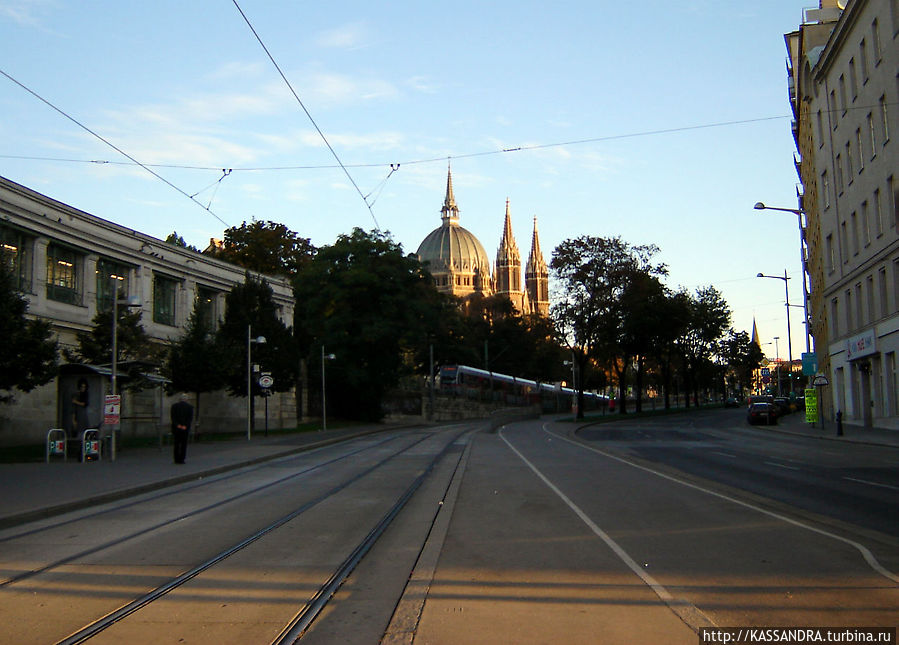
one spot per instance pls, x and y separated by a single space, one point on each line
176 240
135 352
252 305
266 247
374 308
28 353
193 363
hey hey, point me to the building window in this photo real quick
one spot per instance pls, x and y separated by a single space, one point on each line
869 289
853 79
866 225
835 317
850 318
844 242
891 382
843 94
863 60
884 117
831 258
875 42
108 272
853 219
849 162
832 107
63 269
15 253
839 171
872 135
860 150
165 291
882 288
825 189
878 214
820 129
207 308
895 303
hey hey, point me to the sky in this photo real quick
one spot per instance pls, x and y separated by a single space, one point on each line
658 122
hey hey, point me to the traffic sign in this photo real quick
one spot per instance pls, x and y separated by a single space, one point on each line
820 380
266 381
112 406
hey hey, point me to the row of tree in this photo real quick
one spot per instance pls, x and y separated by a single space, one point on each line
623 324
378 311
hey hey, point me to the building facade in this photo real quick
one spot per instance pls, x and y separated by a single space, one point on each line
844 90
460 265
67 264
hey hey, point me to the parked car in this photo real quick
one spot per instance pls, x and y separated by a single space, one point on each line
783 406
759 398
762 413
731 402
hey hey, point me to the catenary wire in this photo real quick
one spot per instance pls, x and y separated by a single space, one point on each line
297 97
110 144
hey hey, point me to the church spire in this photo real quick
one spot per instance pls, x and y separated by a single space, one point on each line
508 261
536 277
449 212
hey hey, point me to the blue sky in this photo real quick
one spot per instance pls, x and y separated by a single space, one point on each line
679 109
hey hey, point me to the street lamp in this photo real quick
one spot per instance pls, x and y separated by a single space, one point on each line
760 206
785 278
329 357
130 302
777 358
250 340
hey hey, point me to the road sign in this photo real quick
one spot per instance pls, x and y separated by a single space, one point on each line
811 405
820 380
766 371
266 381
809 363
112 406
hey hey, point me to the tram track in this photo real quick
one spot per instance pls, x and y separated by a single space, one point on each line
159 525
358 480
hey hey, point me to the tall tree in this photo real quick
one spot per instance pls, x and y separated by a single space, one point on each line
193 363
28 352
267 247
373 307
709 321
593 272
134 350
642 325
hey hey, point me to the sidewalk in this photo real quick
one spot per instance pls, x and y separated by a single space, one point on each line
32 491
795 424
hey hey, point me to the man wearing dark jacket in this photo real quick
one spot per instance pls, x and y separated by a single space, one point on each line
182 416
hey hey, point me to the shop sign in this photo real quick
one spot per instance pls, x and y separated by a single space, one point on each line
862 345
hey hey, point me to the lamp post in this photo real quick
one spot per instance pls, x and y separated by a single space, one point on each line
250 340
329 357
777 358
786 279
798 212
115 280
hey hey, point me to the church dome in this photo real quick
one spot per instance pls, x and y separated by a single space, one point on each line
453 248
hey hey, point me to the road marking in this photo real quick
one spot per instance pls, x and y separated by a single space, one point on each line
771 463
865 552
864 481
724 454
685 610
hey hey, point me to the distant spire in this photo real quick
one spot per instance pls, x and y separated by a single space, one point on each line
449 212
536 277
755 333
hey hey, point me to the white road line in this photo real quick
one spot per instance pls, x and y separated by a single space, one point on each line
865 552
771 463
724 454
864 481
685 610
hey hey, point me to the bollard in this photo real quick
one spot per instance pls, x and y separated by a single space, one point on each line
839 423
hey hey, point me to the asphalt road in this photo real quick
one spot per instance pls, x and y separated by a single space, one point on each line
856 484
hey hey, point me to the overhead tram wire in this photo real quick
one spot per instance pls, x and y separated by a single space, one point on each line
111 145
483 153
297 97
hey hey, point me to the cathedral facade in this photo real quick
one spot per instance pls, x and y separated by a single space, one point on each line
460 265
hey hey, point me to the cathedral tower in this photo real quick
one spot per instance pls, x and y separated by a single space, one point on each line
536 278
507 271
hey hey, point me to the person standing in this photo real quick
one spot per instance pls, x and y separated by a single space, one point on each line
182 414
80 402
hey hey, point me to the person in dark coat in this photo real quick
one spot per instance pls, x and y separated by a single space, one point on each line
80 401
182 414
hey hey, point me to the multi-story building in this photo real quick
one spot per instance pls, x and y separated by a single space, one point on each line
65 263
844 91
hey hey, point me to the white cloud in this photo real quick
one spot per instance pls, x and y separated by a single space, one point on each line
349 36
25 12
